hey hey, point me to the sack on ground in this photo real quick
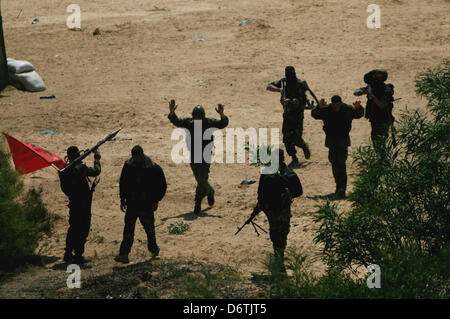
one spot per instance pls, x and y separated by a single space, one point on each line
19 66
29 81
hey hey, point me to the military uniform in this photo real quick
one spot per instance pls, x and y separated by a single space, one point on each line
293 115
141 188
337 126
381 119
202 168
276 205
80 202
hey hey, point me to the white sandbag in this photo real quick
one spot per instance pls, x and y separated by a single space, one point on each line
30 81
10 59
19 66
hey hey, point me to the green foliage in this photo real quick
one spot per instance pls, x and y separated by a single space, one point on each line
400 214
23 217
256 152
210 283
178 228
408 274
401 196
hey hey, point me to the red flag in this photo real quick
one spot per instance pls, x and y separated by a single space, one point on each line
29 157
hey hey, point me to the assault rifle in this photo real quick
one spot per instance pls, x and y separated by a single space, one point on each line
283 87
250 220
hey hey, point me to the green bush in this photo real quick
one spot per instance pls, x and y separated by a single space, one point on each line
178 228
401 195
408 274
400 214
23 217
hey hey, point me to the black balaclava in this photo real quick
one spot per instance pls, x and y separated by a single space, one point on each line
291 82
72 153
376 79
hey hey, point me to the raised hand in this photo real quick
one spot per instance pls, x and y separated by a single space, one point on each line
97 155
172 106
357 104
322 103
220 109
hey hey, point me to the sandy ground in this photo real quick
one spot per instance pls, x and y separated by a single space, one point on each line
198 53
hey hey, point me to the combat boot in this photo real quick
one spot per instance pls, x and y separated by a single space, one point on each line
340 193
155 253
306 151
122 258
198 207
68 257
211 199
295 162
80 260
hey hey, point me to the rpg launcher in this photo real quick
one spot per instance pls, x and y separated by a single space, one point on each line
250 220
89 151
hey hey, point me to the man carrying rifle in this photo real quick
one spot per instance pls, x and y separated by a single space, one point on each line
275 193
293 98
75 184
380 98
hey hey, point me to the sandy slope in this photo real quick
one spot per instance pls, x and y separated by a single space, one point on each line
150 50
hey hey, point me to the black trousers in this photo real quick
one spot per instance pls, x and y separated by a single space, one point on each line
292 137
79 226
279 225
337 157
147 219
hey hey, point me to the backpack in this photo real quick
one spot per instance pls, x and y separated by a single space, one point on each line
292 182
279 189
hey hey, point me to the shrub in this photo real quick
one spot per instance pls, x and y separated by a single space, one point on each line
400 214
401 195
178 228
23 217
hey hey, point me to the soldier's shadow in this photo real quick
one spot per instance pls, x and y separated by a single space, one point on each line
300 165
330 197
64 266
189 216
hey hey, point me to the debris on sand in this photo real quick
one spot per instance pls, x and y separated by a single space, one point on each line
35 21
50 133
48 97
96 32
246 21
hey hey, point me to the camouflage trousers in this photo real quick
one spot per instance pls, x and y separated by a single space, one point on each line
338 157
201 174
292 137
279 225
147 219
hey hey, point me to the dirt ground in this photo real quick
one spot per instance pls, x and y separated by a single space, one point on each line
197 52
